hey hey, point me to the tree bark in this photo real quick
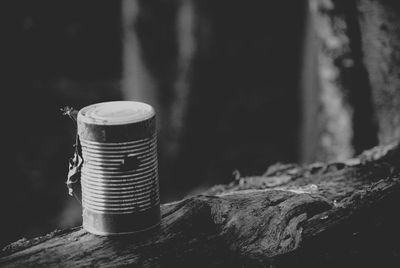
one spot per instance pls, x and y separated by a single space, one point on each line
358 103
380 42
345 121
315 215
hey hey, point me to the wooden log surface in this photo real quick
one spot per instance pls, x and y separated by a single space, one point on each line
321 214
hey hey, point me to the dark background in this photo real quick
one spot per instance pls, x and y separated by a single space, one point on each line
243 108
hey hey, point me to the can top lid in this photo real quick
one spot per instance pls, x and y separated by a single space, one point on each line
115 113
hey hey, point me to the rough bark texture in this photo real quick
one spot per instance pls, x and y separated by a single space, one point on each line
379 22
334 55
345 122
321 214
358 43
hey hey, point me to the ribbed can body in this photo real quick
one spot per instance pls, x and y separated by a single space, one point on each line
119 175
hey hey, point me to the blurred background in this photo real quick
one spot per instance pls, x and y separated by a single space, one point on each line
224 76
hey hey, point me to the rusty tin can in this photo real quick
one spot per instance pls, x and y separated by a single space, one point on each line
119 176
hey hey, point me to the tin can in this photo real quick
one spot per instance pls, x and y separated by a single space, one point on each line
119 178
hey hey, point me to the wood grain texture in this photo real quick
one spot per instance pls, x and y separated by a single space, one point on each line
290 215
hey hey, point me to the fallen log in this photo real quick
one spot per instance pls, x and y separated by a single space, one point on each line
322 214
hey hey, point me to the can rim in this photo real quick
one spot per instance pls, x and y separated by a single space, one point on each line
116 113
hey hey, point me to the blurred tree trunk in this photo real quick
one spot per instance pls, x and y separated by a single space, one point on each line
153 52
159 50
209 68
380 42
358 101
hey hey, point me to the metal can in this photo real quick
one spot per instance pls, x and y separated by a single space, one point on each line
119 178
